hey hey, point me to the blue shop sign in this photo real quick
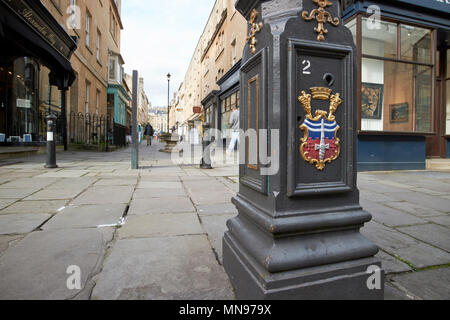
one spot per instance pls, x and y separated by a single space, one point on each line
438 5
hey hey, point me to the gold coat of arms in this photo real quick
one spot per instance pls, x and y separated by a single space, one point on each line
320 144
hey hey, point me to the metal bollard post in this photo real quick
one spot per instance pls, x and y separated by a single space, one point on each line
51 145
206 159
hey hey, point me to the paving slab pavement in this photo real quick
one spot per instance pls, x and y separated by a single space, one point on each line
35 207
426 285
161 205
161 225
12 224
36 267
174 268
86 216
170 246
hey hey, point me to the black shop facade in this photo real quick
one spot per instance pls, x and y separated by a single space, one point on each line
35 73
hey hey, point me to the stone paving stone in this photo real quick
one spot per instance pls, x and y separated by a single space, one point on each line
427 284
430 192
420 254
34 183
161 205
64 174
215 227
441 220
35 207
375 197
211 197
146 178
414 209
6 202
391 293
7 241
159 185
161 225
105 195
391 264
19 193
431 233
217 209
56 194
73 183
388 216
117 182
428 201
159 193
21 223
88 216
174 268
35 268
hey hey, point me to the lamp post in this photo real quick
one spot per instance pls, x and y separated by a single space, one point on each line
168 102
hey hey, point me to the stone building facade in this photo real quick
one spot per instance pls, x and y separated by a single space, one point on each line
219 49
97 61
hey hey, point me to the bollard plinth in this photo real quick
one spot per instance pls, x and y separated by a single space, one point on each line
51 144
297 235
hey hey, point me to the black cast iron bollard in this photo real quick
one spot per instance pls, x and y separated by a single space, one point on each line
297 235
206 159
51 145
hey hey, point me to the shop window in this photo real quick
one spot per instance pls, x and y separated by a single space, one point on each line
396 77
379 40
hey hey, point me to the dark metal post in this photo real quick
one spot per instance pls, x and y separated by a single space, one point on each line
135 143
168 102
297 235
51 144
206 159
64 117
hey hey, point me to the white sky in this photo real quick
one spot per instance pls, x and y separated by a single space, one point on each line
159 37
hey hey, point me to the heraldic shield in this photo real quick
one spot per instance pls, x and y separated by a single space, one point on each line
320 144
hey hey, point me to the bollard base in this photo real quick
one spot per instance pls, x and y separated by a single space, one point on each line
205 166
340 281
52 166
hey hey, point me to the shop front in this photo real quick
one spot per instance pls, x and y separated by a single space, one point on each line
404 105
35 73
228 98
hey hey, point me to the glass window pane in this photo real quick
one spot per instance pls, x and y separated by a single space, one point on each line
233 99
352 26
415 44
379 39
395 97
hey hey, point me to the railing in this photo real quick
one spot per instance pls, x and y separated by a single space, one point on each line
90 130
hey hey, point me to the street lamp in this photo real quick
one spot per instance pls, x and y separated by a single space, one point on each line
168 101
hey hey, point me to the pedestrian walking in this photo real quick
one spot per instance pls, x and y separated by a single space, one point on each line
235 127
149 132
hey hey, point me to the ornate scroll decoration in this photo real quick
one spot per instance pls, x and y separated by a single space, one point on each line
322 16
320 144
254 29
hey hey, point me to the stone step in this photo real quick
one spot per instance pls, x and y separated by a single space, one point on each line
438 164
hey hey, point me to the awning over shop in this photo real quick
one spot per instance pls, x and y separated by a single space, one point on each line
28 29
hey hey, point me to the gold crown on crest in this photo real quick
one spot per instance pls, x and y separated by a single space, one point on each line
321 93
